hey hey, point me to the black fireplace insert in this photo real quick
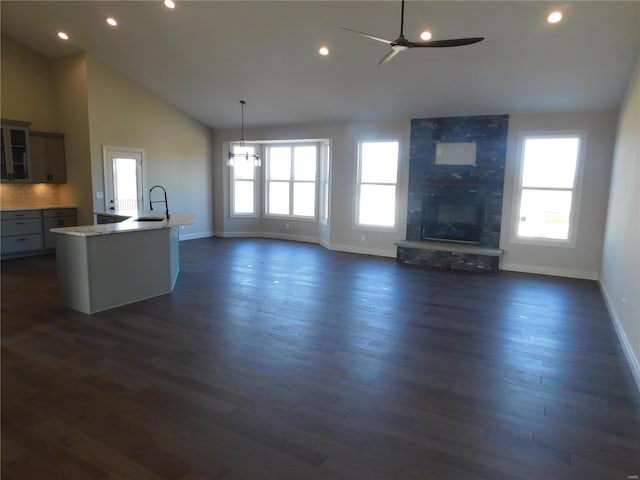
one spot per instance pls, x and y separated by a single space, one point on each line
454 218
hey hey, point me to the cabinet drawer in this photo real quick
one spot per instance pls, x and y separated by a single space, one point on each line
49 223
59 212
21 226
21 243
19 214
69 221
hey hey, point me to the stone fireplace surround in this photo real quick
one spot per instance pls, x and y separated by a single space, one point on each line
481 183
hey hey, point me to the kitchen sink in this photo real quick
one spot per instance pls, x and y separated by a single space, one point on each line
149 219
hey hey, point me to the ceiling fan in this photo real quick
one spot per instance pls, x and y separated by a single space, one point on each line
401 44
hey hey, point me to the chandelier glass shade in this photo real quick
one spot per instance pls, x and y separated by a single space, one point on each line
239 150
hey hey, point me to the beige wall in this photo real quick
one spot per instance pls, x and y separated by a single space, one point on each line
177 147
620 281
69 76
27 92
583 260
343 234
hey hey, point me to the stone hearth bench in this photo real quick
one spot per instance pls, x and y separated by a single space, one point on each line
451 256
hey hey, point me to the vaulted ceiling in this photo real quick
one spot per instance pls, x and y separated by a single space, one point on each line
204 56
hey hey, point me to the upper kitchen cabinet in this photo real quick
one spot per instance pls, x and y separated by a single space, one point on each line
48 163
14 165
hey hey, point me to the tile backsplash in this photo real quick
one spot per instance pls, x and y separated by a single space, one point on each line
29 195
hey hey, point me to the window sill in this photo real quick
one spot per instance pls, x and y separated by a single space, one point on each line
291 218
543 242
375 228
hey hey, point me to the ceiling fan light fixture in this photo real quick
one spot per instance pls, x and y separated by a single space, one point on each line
324 51
401 43
426 35
243 152
63 35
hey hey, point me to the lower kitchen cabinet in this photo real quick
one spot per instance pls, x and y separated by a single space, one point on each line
21 231
26 232
63 217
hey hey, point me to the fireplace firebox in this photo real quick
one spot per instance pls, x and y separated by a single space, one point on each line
452 218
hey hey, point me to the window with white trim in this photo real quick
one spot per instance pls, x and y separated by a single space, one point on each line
243 182
290 182
377 183
547 188
325 168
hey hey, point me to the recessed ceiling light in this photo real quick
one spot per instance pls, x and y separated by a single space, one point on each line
112 21
426 35
63 36
554 17
323 51
169 4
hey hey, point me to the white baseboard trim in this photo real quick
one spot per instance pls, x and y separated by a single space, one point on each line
238 234
194 236
556 272
292 238
634 362
325 244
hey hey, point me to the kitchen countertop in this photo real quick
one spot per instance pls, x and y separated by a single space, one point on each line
129 225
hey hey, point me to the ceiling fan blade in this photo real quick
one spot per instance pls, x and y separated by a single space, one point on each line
372 37
389 56
454 42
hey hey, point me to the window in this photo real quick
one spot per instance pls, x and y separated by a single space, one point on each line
547 188
377 182
291 180
243 176
325 163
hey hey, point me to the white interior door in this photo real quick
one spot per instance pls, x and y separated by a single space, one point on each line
123 178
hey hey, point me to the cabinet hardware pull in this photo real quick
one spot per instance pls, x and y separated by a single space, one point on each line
19 223
20 239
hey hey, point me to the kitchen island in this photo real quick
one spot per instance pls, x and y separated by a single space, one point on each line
105 266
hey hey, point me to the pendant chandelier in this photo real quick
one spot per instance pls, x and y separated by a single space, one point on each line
243 152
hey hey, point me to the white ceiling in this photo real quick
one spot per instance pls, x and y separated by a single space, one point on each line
204 57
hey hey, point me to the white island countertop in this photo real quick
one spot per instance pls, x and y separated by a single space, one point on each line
130 225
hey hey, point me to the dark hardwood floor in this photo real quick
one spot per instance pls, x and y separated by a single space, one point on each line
279 360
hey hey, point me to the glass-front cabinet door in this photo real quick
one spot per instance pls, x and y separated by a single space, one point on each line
15 153
3 162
